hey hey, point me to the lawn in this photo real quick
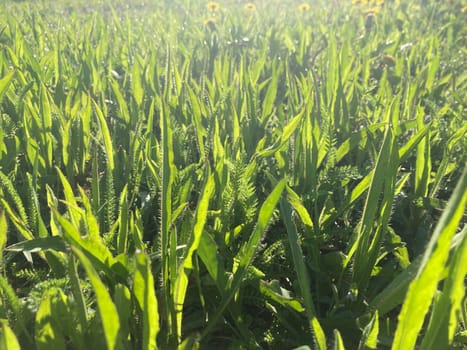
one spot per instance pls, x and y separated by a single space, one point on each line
233 175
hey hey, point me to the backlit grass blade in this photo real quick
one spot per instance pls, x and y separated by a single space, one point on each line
423 161
302 275
5 83
106 136
369 237
167 260
186 267
143 289
444 319
423 288
107 310
338 342
8 340
3 233
48 326
369 338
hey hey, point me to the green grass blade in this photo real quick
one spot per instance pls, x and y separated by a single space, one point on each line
109 152
186 267
423 288
368 240
5 83
3 233
107 310
48 333
445 315
338 342
369 340
143 289
302 275
167 176
8 340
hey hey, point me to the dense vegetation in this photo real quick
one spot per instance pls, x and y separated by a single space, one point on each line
273 175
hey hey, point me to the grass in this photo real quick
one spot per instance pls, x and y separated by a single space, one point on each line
268 175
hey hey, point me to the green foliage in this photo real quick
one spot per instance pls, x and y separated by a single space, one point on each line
178 174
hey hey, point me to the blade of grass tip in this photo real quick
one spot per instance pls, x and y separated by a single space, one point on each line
107 310
369 338
424 286
302 274
8 340
143 289
186 267
444 318
423 161
3 234
5 83
106 135
338 342
246 255
122 236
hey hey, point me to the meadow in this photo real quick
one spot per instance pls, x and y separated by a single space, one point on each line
233 175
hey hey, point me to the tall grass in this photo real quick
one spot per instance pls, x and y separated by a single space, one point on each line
185 175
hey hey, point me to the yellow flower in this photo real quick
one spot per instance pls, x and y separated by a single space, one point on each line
372 10
304 7
213 6
464 9
249 6
379 2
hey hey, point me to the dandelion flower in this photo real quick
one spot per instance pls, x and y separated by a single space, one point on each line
249 6
304 7
213 6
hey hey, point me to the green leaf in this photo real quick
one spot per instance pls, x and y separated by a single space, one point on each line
424 286
5 83
369 340
145 294
39 244
49 320
302 275
186 267
107 310
106 136
8 340
445 315
3 233
338 342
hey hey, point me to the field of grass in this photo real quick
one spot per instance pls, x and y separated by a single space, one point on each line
233 175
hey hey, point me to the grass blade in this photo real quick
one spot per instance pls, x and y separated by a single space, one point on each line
423 288
302 275
186 267
143 289
8 340
107 310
